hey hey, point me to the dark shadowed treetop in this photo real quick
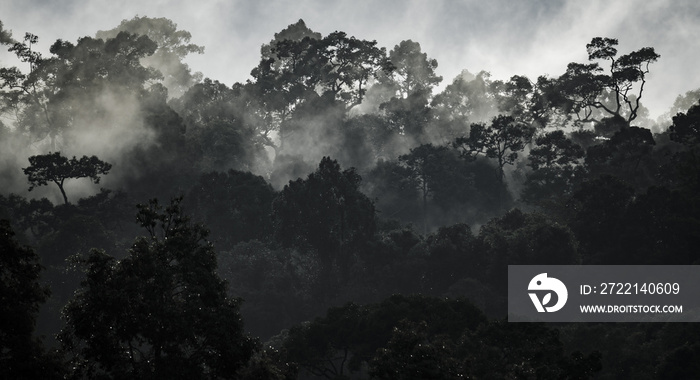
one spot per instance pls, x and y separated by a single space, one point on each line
218 128
557 165
686 126
21 294
161 313
359 331
412 353
297 31
324 211
19 287
237 206
427 168
294 32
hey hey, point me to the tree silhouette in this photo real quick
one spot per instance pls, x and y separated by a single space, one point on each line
557 167
21 355
54 167
502 140
162 312
468 99
325 213
348 337
413 70
412 353
428 167
173 46
686 126
585 91
28 94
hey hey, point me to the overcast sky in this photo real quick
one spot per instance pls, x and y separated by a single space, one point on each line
503 37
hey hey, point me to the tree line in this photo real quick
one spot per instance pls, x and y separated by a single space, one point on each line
330 217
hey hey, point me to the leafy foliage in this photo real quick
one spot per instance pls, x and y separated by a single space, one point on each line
347 336
173 46
502 140
585 91
56 168
161 312
556 170
686 126
599 189
21 355
327 214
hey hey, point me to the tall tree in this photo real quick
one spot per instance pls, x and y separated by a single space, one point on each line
518 238
394 189
161 312
112 94
686 126
412 78
56 168
349 64
21 354
327 214
502 140
589 93
468 99
26 96
282 80
557 167
523 100
68 88
217 132
173 46
294 32
430 168
627 154
412 70
237 205
303 64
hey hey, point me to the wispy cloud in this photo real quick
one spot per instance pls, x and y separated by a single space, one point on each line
504 37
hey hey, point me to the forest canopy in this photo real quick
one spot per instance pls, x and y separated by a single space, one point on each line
346 211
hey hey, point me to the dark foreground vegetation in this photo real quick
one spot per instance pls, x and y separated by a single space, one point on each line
335 216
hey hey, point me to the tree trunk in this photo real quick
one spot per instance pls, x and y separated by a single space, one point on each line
425 208
63 192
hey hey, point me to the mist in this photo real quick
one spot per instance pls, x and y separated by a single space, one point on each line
324 202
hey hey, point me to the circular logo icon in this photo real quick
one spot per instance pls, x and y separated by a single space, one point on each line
547 285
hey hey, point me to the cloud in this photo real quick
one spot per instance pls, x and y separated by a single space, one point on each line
504 37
